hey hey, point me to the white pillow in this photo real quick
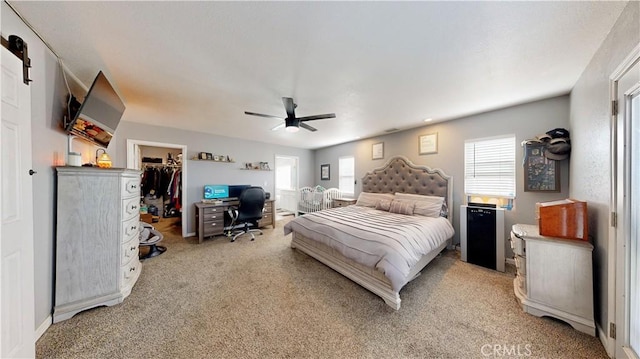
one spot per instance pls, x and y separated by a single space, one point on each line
367 199
428 206
402 207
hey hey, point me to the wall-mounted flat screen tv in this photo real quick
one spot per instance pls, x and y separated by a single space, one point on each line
96 119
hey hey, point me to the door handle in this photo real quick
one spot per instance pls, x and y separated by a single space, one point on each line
32 172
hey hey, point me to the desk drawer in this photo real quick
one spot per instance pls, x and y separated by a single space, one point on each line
213 227
212 210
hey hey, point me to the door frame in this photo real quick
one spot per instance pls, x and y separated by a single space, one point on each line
618 221
133 152
297 184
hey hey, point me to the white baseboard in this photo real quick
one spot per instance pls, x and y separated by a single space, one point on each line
43 327
608 343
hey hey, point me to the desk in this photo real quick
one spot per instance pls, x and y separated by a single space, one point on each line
211 220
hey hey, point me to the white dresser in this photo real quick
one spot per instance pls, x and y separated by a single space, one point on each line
98 214
554 277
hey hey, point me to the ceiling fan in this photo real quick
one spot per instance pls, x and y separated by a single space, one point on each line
291 122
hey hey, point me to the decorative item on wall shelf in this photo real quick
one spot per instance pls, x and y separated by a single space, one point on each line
206 156
324 172
257 166
540 173
377 151
428 143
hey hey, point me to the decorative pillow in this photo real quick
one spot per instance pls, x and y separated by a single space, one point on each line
367 199
428 206
383 205
402 207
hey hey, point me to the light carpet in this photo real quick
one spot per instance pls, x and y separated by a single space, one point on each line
262 299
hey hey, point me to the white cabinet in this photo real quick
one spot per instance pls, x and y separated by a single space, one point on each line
554 277
97 238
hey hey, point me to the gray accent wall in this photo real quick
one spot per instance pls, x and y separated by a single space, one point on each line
524 121
200 173
590 168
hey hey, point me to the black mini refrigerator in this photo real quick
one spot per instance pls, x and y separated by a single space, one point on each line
482 235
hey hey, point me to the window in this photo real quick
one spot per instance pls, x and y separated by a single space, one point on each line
490 168
346 175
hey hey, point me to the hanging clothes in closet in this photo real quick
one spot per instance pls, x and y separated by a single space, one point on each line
163 183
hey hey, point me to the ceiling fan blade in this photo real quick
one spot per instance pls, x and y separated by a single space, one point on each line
262 115
307 127
289 106
317 117
276 128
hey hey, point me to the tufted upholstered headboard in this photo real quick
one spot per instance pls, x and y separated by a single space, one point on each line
400 175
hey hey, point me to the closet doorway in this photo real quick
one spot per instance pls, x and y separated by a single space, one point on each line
167 158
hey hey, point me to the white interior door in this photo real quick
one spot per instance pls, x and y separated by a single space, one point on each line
17 321
628 211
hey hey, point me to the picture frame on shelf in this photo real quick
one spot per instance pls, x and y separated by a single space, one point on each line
325 172
377 151
428 144
209 156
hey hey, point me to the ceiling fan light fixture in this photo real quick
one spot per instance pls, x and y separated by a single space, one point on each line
292 129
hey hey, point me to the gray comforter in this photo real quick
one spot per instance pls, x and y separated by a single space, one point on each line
391 243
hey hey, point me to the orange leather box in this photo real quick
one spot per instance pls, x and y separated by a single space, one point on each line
565 218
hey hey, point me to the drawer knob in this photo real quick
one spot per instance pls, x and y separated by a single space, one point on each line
213 224
134 227
133 249
214 217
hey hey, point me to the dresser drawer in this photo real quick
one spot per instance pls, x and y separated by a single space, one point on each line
129 250
130 187
130 228
130 273
130 208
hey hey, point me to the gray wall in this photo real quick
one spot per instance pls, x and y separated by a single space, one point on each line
590 121
200 173
524 121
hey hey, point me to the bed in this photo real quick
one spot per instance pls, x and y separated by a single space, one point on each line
385 248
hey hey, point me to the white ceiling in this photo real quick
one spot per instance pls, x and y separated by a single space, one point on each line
376 65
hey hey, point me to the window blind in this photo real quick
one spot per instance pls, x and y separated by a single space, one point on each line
346 174
490 166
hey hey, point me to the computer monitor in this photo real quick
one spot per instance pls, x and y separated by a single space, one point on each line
236 190
213 191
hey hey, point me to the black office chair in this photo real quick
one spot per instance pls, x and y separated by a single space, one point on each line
248 213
